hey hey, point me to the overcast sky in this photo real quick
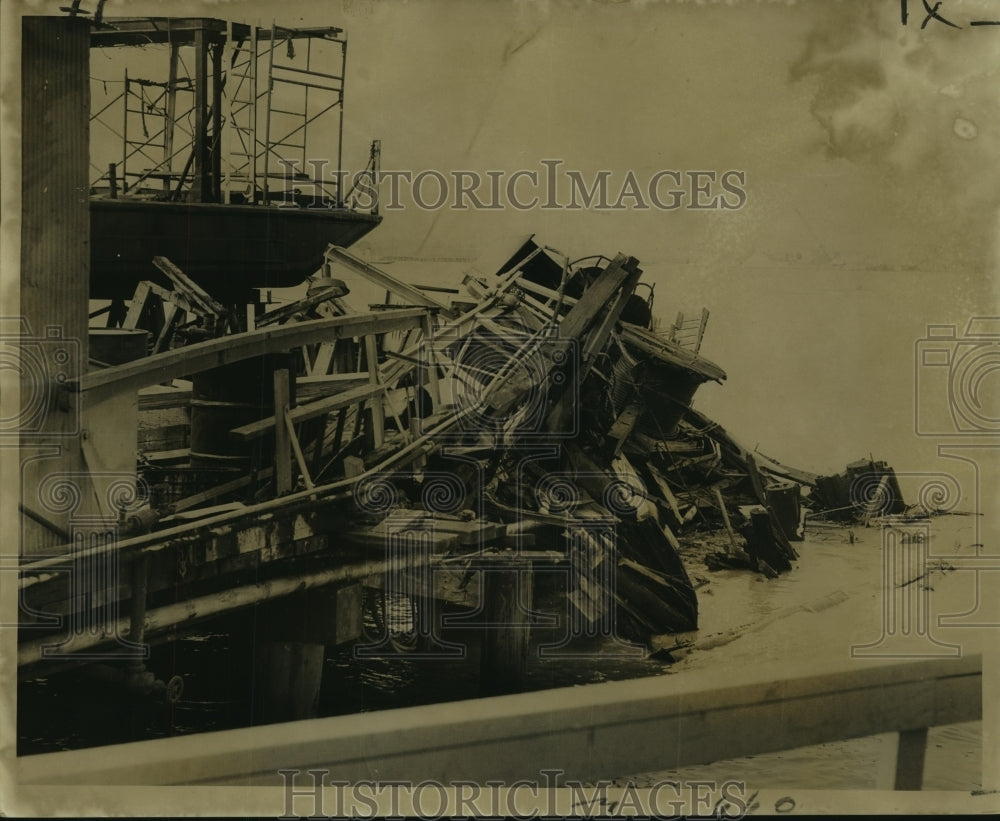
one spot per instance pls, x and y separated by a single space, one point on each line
869 150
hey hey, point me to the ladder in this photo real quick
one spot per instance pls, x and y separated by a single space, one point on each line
688 333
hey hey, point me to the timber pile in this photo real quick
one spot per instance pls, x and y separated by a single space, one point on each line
556 410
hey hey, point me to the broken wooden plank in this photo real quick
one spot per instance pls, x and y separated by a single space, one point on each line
584 314
725 518
189 287
409 294
668 494
623 425
297 450
154 399
137 305
301 305
670 353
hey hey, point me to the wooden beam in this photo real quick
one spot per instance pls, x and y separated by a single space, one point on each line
582 315
599 336
172 314
187 286
548 293
669 352
193 501
213 353
300 305
137 305
725 519
166 398
377 410
230 521
310 411
297 450
409 294
282 444
431 368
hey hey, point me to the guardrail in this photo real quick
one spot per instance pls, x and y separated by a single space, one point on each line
592 732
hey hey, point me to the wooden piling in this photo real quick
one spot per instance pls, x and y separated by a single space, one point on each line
288 677
507 595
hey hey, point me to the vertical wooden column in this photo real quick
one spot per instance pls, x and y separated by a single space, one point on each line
55 269
506 632
432 374
289 677
377 409
282 442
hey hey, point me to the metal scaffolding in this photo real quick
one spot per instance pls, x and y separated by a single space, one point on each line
263 123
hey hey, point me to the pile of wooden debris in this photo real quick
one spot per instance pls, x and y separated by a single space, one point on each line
542 414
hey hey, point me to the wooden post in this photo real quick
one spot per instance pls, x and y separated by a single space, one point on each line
282 443
432 374
377 410
55 263
725 517
140 586
910 759
135 671
506 632
289 675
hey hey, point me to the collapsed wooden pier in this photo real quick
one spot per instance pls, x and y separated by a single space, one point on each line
327 463
335 466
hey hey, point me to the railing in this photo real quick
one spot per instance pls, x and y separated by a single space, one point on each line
599 731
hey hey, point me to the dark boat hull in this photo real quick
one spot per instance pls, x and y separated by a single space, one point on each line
227 249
